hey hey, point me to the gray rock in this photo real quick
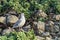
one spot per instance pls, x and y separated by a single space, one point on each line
56 38
53 34
59 38
56 28
51 23
57 23
52 27
45 34
27 28
49 26
58 34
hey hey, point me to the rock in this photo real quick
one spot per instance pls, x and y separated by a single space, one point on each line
48 38
53 35
51 23
52 27
56 38
35 28
57 17
45 34
41 14
49 26
7 31
11 19
56 23
58 34
3 25
27 28
59 38
51 16
41 26
35 25
56 28
39 38
12 12
3 20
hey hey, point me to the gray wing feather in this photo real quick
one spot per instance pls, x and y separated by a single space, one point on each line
17 24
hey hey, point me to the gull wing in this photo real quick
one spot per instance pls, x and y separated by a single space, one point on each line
17 24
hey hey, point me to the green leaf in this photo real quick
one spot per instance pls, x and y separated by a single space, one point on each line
3 38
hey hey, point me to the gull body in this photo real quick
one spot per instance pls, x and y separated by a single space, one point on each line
20 22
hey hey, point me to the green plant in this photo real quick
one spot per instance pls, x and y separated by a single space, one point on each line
3 38
29 6
19 36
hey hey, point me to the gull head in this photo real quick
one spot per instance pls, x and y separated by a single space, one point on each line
22 14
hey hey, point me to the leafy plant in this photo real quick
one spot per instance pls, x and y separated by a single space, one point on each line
19 36
3 38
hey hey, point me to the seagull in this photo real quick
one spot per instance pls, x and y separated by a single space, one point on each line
20 22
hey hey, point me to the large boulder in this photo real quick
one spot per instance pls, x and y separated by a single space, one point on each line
11 19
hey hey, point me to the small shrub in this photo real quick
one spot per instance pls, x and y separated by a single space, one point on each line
19 36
